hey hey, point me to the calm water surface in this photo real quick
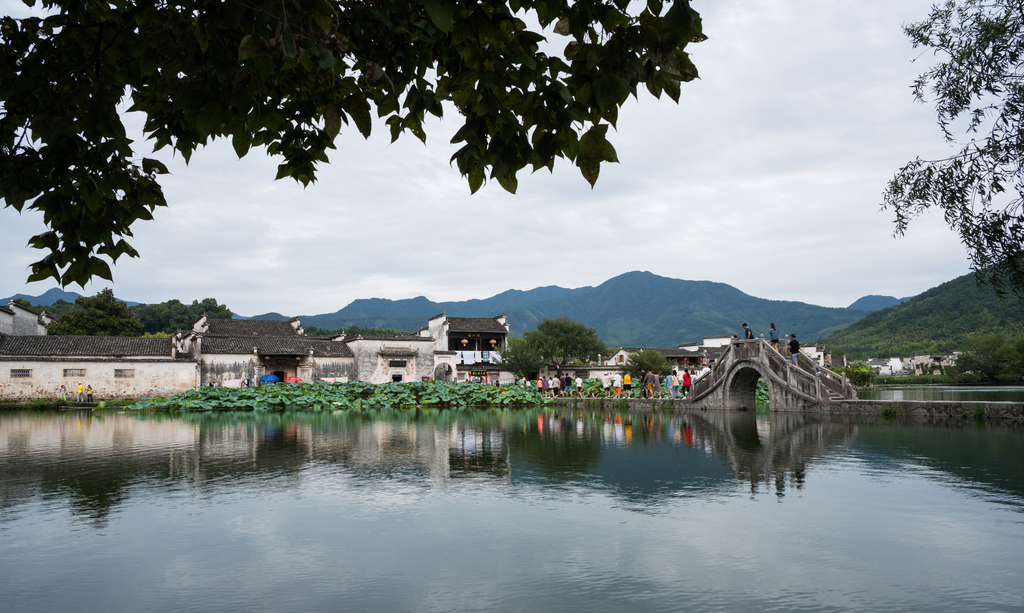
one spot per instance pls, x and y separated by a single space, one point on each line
992 393
508 511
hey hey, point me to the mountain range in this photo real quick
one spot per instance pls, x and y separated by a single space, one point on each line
635 309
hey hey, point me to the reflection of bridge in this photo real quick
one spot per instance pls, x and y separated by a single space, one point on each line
733 381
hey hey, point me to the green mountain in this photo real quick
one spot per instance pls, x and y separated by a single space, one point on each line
876 303
936 321
633 309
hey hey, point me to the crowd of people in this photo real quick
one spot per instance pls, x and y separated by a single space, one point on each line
81 394
647 384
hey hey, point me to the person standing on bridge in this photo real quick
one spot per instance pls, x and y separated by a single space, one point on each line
748 334
773 336
794 348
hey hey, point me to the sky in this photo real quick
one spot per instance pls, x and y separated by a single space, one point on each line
768 176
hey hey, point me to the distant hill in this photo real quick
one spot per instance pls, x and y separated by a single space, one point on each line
46 298
876 303
633 309
936 321
50 296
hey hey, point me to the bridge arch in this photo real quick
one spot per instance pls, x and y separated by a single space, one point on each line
739 389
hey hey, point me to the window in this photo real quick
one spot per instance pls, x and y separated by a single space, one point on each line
74 372
124 373
21 373
396 363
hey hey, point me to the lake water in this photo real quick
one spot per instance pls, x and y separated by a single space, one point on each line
508 511
992 393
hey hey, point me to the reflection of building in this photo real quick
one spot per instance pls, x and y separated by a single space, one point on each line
476 341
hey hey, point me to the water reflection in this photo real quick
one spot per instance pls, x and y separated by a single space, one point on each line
92 463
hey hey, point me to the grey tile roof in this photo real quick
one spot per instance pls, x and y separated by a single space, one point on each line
475 324
6 309
275 345
61 346
250 327
678 353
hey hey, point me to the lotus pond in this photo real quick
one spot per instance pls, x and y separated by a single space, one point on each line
506 509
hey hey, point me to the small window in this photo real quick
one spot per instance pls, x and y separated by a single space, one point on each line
396 363
124 373
74 372
22 373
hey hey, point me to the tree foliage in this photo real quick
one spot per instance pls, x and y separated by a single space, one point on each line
288 75
99 315
990 358
521 357
562 340
976 87
173 315
649 360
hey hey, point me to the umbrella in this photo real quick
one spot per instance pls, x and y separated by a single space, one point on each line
269 379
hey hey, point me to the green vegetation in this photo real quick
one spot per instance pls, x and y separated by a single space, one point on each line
100 315
354 395
859 373
521 357
284 76
171 316
649 360
990 358
888 411
564 341
354 331
938 321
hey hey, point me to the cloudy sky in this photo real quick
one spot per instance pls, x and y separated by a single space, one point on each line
767 176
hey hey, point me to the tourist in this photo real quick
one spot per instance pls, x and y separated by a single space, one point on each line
88 393
63 393
647 385
686 384
80 396
552 386
794 348
656 383
627 385
540 385
617 384
748 334
606 384
579 385
673 384
773 336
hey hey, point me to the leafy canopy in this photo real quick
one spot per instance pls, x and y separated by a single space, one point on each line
562 339
521 357
977 87
100 315
168 317
289 75
649 360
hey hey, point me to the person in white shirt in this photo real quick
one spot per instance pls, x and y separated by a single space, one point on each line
579 386
617 384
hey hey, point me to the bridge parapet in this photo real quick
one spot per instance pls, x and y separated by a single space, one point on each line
731 380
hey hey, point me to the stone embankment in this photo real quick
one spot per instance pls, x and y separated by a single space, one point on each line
916 408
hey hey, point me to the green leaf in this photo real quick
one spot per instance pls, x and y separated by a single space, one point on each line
440 13
562 26
476 178
332 121
288 43
151 166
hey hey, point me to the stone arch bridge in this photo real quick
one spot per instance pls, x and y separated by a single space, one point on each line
732 382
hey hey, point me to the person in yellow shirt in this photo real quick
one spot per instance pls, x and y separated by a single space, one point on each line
81 396
627 383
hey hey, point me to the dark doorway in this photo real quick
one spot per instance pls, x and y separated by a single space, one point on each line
396 378
279 374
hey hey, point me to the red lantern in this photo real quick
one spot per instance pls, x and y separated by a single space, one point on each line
494 342
464 342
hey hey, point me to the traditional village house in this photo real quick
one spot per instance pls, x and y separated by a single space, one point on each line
931 364
819 355
477 343
230 351
35 366
19 320
383 359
